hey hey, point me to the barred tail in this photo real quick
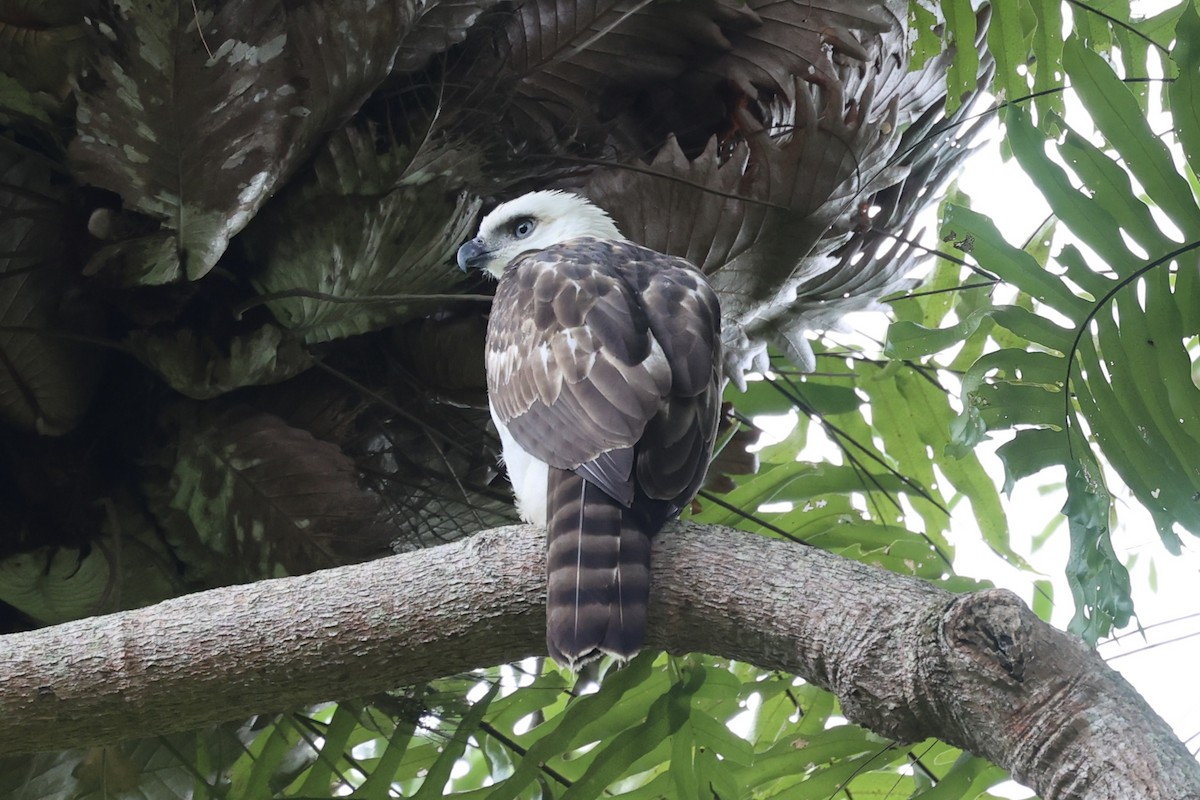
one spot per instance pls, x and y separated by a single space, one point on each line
598 571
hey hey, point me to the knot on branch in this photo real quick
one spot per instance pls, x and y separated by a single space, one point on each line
990 629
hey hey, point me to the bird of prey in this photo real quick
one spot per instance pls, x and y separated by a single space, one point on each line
603 372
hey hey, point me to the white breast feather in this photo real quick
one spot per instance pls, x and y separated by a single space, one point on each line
529 477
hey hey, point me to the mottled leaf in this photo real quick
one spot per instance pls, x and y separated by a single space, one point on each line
57 584
446 355
245 496
52 586
201 367
438 26
162 767
19 106
370 231
194 113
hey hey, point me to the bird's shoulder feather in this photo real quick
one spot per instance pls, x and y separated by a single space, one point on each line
588 341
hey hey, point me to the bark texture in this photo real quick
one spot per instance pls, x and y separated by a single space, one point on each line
907 659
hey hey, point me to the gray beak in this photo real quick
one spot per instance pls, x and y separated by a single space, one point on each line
472 254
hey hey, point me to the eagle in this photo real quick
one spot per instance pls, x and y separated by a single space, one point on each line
603 374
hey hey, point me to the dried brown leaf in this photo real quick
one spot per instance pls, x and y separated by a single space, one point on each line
777 208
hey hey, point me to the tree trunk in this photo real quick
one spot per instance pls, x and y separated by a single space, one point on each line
906 659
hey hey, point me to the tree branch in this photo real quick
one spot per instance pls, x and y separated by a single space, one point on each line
906 659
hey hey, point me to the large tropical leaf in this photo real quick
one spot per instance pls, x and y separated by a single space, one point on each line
370 221
1114 377
46 378
42 43
246 496
195 113
197 365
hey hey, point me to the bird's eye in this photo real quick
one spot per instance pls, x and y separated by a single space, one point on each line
523 228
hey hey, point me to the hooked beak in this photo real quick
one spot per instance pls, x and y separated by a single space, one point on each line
472 254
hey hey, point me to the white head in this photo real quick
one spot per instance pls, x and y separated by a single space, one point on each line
533 221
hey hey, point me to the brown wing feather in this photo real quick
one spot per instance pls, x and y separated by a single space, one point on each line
592 339
603 362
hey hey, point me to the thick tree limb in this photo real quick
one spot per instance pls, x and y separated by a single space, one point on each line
907 659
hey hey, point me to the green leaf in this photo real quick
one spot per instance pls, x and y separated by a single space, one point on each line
1092 23
1031 451
1006 43
320 777
760 397
909 340
267 755
714 736
547 689
1098 580
825 399
563 733
1043 599
913 417
967 778
1184 91
454 746
1012 264
664 717
925 43
794 755
715 776
964 68
1093 225
378 784
1112 190
1047 51
683 765
1124 124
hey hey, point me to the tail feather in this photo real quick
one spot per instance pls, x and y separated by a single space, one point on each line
598 571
